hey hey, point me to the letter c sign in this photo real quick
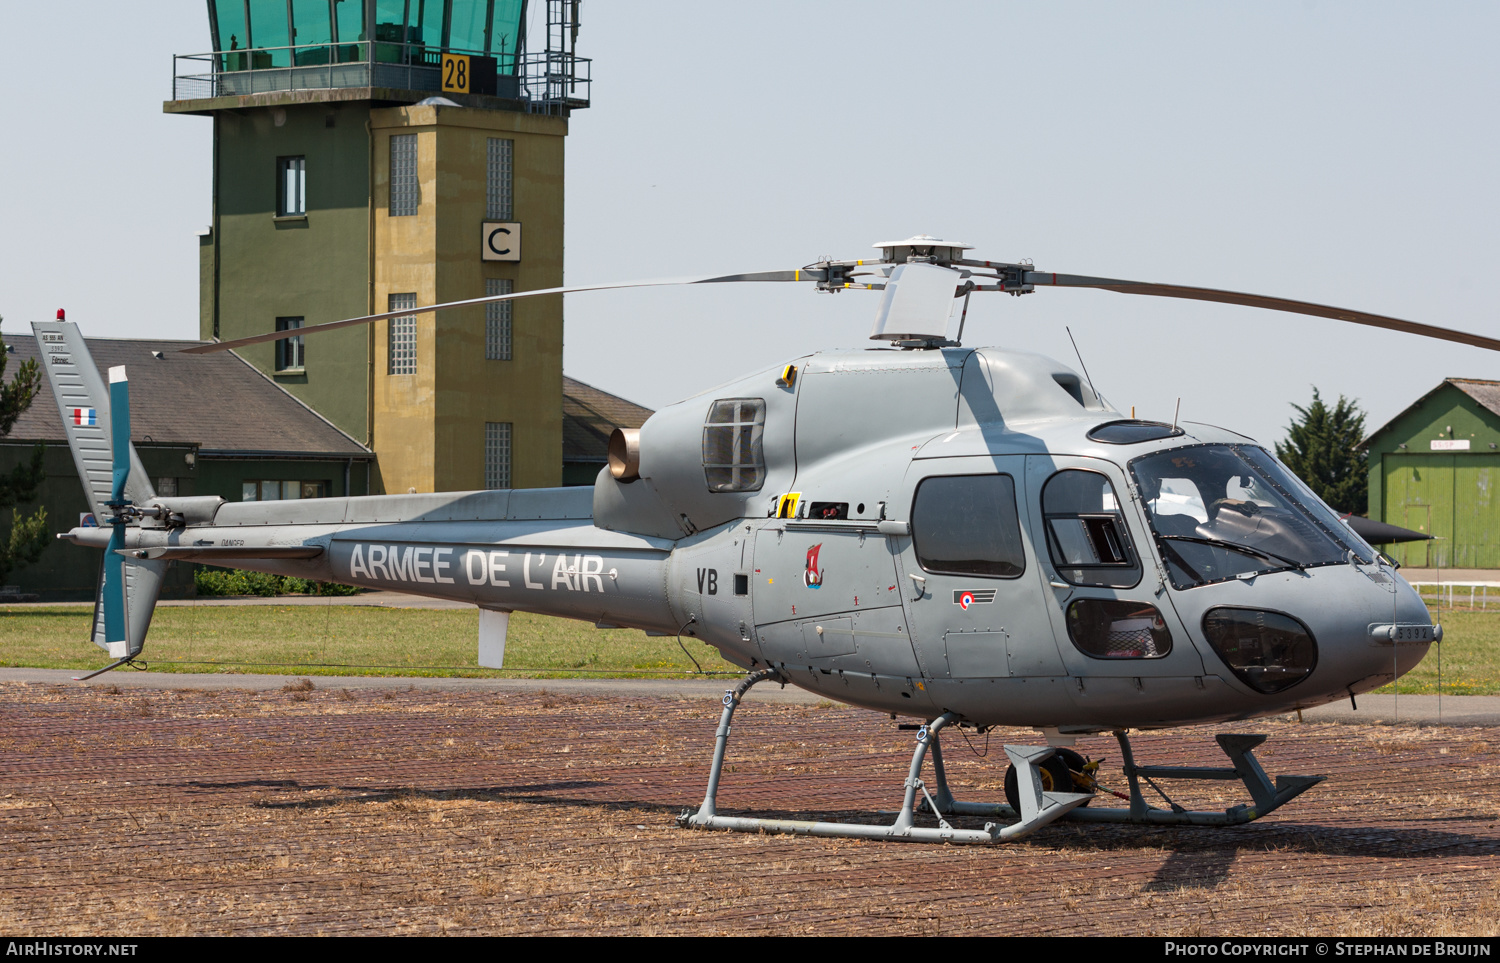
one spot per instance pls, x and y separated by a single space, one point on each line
500 241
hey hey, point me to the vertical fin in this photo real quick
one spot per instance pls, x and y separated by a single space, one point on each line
142 579
96 419
84 406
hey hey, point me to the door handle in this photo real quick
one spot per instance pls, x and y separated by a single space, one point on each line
921 585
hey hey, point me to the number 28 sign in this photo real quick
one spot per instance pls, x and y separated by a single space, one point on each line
456 73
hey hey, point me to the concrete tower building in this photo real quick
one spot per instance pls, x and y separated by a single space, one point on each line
374 155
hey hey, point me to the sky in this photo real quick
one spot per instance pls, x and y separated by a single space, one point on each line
1341 153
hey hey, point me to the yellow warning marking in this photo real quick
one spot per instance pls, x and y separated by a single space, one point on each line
787 507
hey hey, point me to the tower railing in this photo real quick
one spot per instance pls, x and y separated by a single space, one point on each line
547 82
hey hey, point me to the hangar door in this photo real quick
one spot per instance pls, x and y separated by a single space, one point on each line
1451 496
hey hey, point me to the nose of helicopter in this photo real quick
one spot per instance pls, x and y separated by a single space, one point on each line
1316 635
1371 627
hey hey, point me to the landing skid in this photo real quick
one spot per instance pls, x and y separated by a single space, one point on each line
1038 806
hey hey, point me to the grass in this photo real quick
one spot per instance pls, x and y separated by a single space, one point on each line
338 639
1469 656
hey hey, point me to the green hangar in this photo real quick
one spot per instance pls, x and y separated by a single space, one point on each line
1434 468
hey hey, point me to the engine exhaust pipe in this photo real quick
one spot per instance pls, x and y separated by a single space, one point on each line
625 454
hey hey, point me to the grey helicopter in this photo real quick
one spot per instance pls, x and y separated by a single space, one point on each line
965 537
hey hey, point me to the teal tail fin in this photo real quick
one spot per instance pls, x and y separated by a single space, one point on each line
96 419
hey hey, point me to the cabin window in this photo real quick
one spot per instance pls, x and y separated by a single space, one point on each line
1268 651
733 457
967 525
1086 531
1118 629
1132 432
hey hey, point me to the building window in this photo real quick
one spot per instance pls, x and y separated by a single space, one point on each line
291 186
497 320
289 355
501 150
497 454
406 191
166 487
403 335
275 490
733 460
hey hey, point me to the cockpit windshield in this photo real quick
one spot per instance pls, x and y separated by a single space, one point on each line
1225 511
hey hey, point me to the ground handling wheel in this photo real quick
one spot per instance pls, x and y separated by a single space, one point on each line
1057 776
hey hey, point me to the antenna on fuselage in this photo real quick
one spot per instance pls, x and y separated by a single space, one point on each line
1075 351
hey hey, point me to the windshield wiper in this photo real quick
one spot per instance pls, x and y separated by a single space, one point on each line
1235 547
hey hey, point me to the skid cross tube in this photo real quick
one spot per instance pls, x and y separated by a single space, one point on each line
1240 748
1038 808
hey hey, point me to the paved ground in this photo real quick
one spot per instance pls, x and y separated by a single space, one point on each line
1372 710
697 689
423 810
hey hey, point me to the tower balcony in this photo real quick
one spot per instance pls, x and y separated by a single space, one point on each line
273 52
550 82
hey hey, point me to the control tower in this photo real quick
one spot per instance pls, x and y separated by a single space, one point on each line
372 155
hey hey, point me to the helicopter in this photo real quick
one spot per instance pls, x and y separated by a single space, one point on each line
963 536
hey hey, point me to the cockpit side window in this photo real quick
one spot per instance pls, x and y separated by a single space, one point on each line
733 457
1086 532
967 525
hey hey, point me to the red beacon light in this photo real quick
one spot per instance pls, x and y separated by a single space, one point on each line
60 315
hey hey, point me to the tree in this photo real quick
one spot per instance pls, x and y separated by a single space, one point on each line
1321 448
29 536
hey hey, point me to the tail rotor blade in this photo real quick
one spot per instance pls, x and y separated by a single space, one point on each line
119 432
112 587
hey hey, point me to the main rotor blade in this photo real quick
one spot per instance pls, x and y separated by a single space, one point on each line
793 275
1041 278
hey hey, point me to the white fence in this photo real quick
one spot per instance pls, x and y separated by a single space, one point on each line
1451 594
